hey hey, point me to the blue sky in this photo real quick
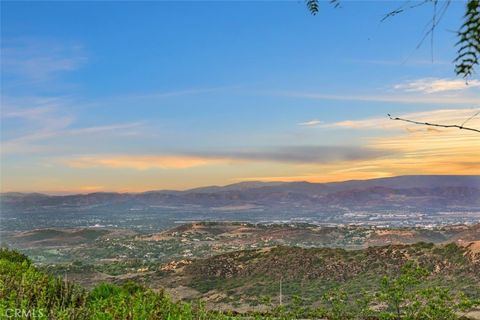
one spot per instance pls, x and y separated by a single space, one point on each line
136 96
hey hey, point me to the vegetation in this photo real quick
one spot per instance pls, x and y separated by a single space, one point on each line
469 40
32 294
310 272
468 44
117 252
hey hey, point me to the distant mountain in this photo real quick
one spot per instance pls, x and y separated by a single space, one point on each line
399 182
406 191
237 186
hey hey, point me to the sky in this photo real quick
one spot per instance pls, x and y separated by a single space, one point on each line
136 96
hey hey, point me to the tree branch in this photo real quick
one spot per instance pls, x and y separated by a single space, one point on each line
434 124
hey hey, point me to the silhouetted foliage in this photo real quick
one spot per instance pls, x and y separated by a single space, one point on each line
468 53
469 42
314 5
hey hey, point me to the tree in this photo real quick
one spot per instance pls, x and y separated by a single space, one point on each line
468 53
469 40
396 292
407 297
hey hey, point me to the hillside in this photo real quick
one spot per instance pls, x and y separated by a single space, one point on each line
117 251
27 293
65 237
242 278
246 235
48 297
236 265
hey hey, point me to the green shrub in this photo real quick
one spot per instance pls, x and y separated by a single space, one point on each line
13 256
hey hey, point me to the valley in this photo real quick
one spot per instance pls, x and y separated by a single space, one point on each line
258 247
233 265
403 201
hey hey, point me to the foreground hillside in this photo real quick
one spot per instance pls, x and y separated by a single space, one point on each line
309 272
245 280
28 293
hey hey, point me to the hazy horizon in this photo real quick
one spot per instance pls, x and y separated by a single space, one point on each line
231 184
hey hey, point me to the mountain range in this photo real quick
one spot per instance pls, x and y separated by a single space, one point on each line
417 191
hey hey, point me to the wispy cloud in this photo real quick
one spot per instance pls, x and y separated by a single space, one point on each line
141 162
311 123
38 141
103 128
413 149
393 98
434 85
304 154
180 93
419 152
286 155
39 60
443 116
31 113
38 121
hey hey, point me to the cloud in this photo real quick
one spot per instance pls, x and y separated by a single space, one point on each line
180 93
421 152
102 128
60 129
31 124
412 149
31 119
31 113
434 85
35 60
289 155
442 116
393 98
305 154
91 188
141 162
325 176
311 123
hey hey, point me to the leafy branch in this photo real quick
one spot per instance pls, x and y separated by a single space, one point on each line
468 53
469 42
314 5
